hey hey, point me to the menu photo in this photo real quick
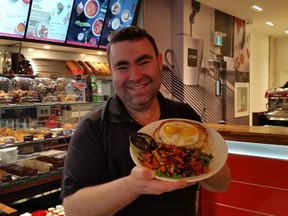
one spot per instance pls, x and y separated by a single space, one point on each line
13 17
120 14
49 20
87 22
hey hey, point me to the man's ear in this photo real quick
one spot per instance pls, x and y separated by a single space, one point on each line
160 59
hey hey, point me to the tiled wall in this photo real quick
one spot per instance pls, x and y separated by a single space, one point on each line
202 97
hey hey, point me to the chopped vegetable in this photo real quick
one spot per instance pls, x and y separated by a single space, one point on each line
82 24
176 162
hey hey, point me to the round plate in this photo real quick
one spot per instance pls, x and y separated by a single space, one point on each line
125 15
221 151
115 8
97 26
95 8
42 30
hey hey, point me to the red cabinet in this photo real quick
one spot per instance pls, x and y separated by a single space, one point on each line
259 186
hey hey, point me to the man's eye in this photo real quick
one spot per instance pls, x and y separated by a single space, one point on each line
144 62
121 67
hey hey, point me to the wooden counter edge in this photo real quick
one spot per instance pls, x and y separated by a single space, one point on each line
256 134
8 210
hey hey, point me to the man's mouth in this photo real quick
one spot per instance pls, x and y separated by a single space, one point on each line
137 87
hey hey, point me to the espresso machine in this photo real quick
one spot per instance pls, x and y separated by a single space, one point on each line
277 108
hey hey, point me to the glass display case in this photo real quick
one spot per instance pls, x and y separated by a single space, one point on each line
35 129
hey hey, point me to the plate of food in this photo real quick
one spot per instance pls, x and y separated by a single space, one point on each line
97 26
179 149
91 8
42 30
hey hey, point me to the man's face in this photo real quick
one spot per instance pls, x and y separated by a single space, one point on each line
136 72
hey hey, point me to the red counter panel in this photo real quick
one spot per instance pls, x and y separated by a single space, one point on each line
259 186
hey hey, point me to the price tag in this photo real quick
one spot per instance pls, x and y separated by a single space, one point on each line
9 140
47 135
28 138
68 132
60 134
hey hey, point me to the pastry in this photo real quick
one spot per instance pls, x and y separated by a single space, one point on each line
35 164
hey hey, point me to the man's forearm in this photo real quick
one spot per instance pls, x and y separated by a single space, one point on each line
105 199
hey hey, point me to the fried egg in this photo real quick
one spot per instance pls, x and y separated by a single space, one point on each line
179 133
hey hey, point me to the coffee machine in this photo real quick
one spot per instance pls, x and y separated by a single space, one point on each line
277 108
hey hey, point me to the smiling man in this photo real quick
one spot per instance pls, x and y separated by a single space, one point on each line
99 176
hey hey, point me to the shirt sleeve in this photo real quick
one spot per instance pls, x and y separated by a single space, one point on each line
85 162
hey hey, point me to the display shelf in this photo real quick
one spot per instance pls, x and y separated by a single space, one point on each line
37 130
33 105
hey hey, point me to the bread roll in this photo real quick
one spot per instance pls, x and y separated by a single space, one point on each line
101 68
106 68
87 69
35 164
2 174
74 67
93 68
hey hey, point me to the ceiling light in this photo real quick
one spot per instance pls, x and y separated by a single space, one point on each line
100 53
256 8
47 47
269 23
286 31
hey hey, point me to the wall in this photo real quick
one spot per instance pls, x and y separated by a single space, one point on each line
158 17
259 72
157 20
282 63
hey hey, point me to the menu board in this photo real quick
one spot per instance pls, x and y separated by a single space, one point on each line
13 17
86 23
49 20
120 14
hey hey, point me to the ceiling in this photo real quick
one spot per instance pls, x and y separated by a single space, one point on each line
274 11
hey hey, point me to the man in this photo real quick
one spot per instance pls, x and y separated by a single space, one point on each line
100 177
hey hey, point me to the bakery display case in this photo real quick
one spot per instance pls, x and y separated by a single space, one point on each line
38 116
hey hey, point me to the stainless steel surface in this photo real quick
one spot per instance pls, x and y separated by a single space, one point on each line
277 106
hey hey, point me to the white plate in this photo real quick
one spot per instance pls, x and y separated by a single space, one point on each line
221 151
125 15
42 30
87 4
115 8
115 23
97 31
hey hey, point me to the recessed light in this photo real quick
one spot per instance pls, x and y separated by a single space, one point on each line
100 53
256 8
47 47
269 23
286 31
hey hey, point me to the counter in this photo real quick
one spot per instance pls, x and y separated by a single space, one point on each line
258 160
256 134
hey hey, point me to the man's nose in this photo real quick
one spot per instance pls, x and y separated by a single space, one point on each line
135 73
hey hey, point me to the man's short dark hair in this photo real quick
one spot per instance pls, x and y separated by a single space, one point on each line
133 33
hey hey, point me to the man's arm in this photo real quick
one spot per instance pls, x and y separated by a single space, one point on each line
109 198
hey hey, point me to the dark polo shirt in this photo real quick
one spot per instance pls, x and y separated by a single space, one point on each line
99 153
